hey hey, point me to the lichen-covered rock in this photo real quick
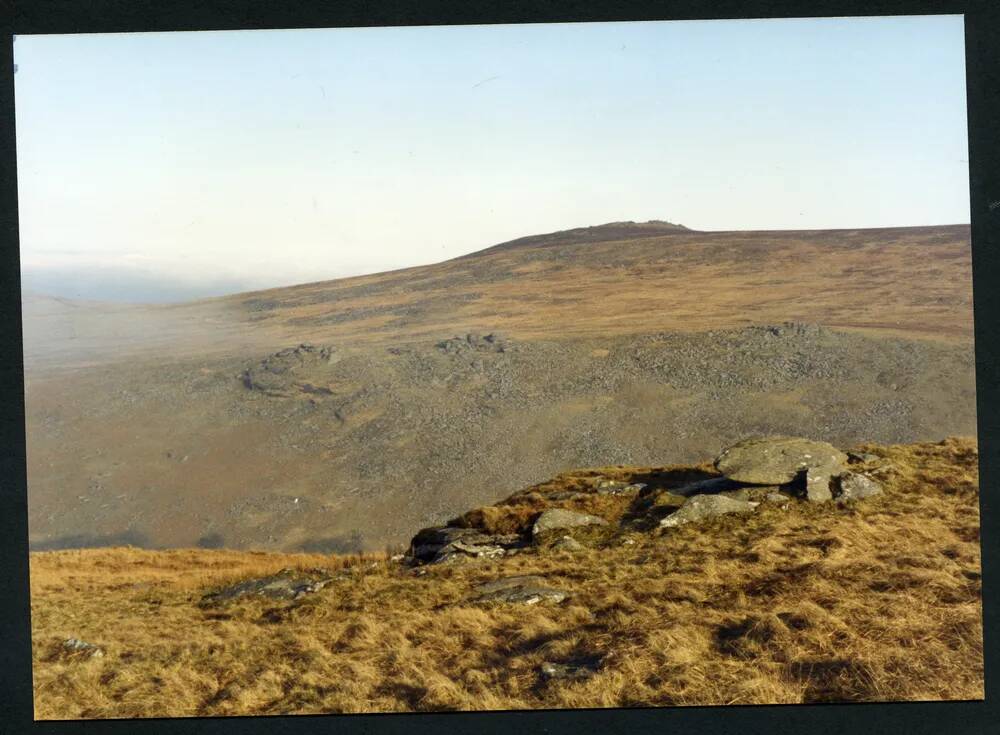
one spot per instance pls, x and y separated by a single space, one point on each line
702 507
555 519
525 590
777 460
76 648
818 483
287 586
620 488
450 544
854 486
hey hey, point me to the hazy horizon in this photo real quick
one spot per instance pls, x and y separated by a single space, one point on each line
163 167
119 285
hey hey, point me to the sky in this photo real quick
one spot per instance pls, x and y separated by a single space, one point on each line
167 166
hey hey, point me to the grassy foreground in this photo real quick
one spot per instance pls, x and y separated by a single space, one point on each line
877 600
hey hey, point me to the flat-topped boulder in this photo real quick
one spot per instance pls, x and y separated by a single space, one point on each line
777 460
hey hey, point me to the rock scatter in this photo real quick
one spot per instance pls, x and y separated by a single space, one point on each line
760 471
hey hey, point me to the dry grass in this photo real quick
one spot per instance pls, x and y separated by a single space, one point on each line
682 281
879 600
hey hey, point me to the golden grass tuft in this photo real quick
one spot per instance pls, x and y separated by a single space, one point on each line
878 600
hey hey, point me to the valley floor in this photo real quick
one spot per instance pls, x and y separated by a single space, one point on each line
878 600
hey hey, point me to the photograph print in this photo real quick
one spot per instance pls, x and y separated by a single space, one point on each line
499 367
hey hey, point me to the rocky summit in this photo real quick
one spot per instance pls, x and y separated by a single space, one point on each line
600 510
781 459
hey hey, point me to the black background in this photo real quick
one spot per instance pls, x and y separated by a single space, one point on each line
982 23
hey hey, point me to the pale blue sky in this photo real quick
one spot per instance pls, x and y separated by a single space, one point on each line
172 165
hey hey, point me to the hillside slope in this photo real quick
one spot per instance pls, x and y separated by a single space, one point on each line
794 603
910 281
156 425
915 281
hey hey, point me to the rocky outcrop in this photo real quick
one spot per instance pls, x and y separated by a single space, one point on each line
617 487
474 342
523 590
280 374
596 509
450 543
283 586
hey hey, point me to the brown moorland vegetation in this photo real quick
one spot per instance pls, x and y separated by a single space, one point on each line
604 281
875 600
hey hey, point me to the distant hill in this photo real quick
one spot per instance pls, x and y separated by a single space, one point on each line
626 278
612 279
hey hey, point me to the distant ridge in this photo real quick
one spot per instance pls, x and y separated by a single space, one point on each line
597 233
